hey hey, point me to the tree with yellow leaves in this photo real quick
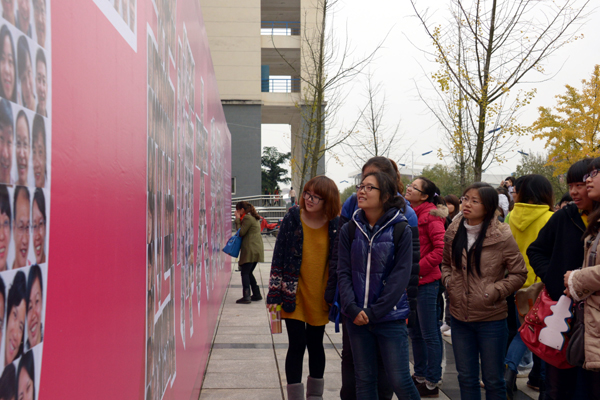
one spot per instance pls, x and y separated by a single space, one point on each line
486 49
571 130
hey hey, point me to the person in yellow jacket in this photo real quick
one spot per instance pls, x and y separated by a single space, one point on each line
533 208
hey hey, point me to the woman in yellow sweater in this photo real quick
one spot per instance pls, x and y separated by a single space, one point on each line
533 205
299 273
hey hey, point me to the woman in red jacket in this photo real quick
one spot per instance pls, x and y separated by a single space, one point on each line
425 199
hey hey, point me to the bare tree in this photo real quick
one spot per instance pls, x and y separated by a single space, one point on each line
326 65
373 138
485 51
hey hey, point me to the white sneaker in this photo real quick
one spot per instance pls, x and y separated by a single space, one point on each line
447 333
444 327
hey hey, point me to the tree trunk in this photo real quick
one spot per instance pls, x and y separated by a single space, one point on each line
319 85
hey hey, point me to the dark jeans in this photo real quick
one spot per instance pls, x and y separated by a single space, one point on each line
572 384
392 338
248 279
302 336
472 341
348 390
425 335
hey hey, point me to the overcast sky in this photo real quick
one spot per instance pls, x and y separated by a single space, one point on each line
400 66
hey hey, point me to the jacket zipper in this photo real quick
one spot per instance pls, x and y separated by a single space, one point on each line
368 277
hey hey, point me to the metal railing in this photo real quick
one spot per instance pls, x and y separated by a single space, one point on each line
270 207
281 85
280 28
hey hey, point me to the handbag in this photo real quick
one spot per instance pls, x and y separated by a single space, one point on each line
576 347
524 299
532 326
233 246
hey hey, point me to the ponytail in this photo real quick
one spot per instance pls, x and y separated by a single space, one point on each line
432 191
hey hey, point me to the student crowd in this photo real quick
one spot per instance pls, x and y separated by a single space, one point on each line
388 253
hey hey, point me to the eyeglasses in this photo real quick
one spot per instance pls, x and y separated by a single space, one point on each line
414 187
24 229
312 197
590 175
366 188
465 199
39 226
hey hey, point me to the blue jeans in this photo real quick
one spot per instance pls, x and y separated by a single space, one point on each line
392 338
472 341
516 350
425 335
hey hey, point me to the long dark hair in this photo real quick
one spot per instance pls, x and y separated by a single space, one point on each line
489 201
593 223
432 192
452 199
388 192
248 208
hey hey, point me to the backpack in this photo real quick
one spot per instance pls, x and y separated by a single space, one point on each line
336 308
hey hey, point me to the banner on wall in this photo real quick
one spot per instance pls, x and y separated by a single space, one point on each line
125 305
25 181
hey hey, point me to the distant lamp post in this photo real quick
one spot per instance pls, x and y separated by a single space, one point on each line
412 167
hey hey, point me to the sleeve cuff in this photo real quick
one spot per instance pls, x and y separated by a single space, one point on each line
353 312
370 315
571 287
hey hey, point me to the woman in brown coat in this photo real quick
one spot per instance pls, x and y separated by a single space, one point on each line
482 265
584 284
252 251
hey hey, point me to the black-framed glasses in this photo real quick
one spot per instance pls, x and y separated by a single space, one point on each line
415 188
592 175
366 188
312 197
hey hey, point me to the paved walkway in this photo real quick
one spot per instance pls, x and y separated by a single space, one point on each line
247 361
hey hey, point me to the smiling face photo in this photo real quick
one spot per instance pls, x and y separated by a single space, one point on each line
23 148
22 224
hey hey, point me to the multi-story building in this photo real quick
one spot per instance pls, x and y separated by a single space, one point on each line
256 48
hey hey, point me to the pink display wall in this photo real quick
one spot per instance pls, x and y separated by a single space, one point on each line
139 156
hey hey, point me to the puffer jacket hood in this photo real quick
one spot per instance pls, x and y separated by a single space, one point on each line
440 211
526 221
523 215
372 273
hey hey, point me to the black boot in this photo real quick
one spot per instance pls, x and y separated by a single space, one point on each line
246 298
510 377
256 296
542 395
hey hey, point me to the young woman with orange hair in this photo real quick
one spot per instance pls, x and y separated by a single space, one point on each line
299 273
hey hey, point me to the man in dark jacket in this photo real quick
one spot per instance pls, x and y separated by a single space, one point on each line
558 249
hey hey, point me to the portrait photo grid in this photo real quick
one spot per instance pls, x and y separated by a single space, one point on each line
25 181
179 170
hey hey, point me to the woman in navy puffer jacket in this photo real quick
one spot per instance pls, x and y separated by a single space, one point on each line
373 275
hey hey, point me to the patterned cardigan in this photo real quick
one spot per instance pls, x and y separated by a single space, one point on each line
287 258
